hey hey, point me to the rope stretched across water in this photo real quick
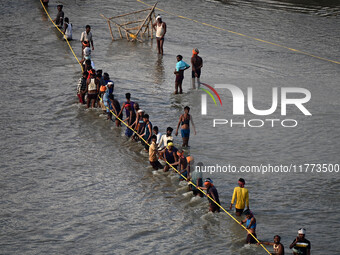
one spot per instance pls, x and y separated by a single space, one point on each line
65 37
134 131
247 36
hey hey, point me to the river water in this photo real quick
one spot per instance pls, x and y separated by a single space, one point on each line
72 184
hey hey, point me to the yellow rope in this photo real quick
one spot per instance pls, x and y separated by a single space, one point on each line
185 178
247 36
48 15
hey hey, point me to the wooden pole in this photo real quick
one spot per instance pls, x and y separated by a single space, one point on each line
131 22
119 16
146 26
127 35
120 32
153 8
108 22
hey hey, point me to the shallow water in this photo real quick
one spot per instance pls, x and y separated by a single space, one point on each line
72 184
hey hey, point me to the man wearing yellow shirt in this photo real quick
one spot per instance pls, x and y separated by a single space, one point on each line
242 197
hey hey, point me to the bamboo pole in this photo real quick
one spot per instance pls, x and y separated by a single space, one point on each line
152 10
127 35
132 28
119 16
109 24
131 22
120 32
146 26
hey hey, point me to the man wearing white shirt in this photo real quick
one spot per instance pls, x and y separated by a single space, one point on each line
86 36
163 142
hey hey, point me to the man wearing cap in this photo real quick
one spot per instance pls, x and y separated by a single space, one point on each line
170 156
242 197
212 193
59 20
153 153
197 64
301 245
160 28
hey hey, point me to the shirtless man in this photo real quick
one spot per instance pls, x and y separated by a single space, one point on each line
182 164
59 20
197 64
277 246
160 28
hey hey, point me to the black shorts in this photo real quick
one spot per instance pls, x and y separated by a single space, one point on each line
239 210
160 39
198 73
156 165
251 239
92 96
179 78
214 207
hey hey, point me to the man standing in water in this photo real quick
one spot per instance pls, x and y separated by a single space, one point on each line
116 109
86 36
128 101
197 64
242 197
153 153
160 28
59 20
184 121
45 2
165 138
67 29
212 192
129 120
277 246
301 245
250 226
170 156
197 179
147 132
182 163
181 66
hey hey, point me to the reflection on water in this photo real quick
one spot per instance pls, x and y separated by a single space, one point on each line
158 74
